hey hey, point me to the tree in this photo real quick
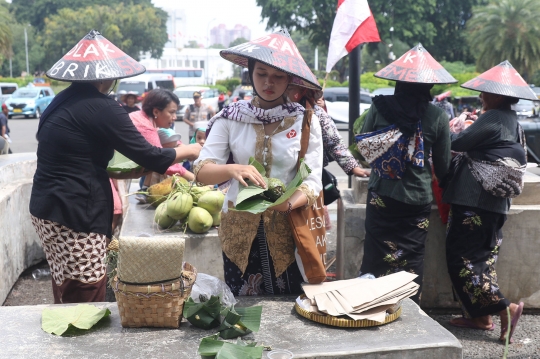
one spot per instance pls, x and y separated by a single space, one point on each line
5 32
238 41
507 30
435 23
35 52
35 12
217 46
134 29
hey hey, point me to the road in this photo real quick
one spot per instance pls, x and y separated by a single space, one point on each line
23 135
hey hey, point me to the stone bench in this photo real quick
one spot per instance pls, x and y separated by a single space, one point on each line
21 247
517 265
413 335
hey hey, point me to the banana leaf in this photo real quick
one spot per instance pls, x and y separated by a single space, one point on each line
205 315
248 199
212 346
240 321
83 316
120 163
233 351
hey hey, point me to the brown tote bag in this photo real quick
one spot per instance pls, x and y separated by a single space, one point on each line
308 226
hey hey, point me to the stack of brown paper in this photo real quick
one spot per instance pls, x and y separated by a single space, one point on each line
359 298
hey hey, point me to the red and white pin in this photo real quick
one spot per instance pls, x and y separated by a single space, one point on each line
291 134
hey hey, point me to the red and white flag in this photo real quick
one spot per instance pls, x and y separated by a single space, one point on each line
354 24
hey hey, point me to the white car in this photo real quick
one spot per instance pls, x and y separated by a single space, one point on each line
339 112
185 95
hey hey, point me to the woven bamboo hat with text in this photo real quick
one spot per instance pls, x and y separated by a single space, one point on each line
276 50
504 80
94 58
416 65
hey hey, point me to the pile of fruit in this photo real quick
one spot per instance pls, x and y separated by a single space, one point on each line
175 199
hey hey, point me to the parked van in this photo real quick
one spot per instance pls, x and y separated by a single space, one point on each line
183 76
6 89
141 84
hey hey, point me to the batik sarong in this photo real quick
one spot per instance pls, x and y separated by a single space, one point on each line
473 240
259 277
395 238
76 260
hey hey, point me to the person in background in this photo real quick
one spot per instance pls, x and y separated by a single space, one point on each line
442 102
128 100
4 145
221 100
196 112
171 139
71 204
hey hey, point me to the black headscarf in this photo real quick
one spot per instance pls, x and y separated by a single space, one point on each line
406 106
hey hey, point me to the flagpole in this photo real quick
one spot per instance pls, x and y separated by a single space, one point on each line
354 93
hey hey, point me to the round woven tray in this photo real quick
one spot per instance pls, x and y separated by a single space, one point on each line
342 322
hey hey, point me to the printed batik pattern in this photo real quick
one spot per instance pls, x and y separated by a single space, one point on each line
389 151
472 220
70 254
394 259
377 201
482 288
334 147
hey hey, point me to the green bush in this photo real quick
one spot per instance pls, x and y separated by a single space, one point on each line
20 81
220 88
229 84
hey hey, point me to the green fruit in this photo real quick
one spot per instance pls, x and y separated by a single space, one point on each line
212 201
199 220
276 189
161 218
179 205
216 219
196 192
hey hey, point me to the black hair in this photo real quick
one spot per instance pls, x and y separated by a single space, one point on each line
160 99
508 101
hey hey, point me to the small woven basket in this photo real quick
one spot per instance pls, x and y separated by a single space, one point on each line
155 305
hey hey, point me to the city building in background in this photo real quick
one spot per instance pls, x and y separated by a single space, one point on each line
220 35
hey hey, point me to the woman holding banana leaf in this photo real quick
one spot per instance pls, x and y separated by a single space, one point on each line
72 202
258 250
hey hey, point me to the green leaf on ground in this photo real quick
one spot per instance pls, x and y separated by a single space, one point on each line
120 163
233 351
82 316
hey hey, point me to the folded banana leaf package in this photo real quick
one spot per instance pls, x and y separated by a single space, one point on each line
255 199
120 163
231 322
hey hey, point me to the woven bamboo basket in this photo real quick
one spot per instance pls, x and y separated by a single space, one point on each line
342 321
155 305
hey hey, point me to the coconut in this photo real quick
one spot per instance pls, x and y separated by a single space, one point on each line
199 220
179 205
216 219
161 218
158 193
211 201
197 192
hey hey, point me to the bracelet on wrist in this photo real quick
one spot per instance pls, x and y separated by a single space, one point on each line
288 211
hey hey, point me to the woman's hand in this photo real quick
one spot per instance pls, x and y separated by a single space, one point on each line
360 172
243 173
134 173
283 207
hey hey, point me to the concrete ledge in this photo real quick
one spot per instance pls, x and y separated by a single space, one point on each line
21 247
517 266
413 335
202 250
